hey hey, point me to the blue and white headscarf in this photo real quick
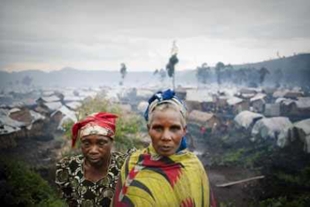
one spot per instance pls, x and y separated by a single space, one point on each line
167 96
160 97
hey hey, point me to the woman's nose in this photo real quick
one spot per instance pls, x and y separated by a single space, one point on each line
93 150
166 135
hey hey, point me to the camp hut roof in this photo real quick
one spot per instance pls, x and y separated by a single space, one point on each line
72 98
199 116
198 96
6 120
87 94
303 102
280 100
259 96
250 90
287 93
246 118
65 111
279 93
269 90
5 129
13 110
284 101
73 105
21 114
271 127
234 100
48 99
293 94
52 106
4 111
36 116
48 92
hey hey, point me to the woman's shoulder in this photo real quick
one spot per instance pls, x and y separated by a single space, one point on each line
65 167
120 157
189 158
70 162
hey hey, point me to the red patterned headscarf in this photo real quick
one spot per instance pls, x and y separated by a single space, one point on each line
101 123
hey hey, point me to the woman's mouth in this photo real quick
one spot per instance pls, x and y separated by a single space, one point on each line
165 148
94 158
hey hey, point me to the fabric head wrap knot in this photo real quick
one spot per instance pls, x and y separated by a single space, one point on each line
160 97
167 96
100 123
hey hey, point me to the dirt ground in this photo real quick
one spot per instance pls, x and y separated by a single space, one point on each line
237 194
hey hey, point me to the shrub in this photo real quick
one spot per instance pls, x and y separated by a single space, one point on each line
21 186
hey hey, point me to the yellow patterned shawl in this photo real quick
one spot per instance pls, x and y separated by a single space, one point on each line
148 179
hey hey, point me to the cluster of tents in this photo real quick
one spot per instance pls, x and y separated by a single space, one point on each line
280 129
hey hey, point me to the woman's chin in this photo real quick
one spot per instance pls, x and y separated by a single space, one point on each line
165 152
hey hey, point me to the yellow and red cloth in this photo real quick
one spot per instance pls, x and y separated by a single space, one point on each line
101 123
148 179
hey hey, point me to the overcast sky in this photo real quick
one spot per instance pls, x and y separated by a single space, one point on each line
100 35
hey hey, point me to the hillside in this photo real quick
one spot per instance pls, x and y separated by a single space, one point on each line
295 67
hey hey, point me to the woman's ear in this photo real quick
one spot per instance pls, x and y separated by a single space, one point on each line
185 129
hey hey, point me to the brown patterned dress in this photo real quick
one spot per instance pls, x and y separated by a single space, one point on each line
80 192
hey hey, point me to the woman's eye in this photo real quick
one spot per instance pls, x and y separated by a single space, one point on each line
175 128
157 128
85 144
102 143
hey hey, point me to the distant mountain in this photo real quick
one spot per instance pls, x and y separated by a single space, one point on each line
297 62
297 66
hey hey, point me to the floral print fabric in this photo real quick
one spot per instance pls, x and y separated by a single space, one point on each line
78 191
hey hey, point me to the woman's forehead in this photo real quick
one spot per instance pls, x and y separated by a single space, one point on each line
167 115
95 137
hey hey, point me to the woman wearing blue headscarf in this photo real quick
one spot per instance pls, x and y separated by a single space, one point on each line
165 173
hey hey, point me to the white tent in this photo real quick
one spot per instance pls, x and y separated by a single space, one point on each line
303 131
271 128
246 118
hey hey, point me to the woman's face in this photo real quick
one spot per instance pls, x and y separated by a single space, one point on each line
166 131
96 148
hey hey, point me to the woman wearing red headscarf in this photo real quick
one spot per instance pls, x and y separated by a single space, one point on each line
89 179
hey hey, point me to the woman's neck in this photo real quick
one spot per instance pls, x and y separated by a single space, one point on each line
95 172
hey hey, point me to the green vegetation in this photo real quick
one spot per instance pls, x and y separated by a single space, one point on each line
301 201
127 125
227 204
21 186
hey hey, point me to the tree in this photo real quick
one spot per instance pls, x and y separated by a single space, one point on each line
155 72
228 72
218 69
27 81
123 72
202 73
173 60
262 74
